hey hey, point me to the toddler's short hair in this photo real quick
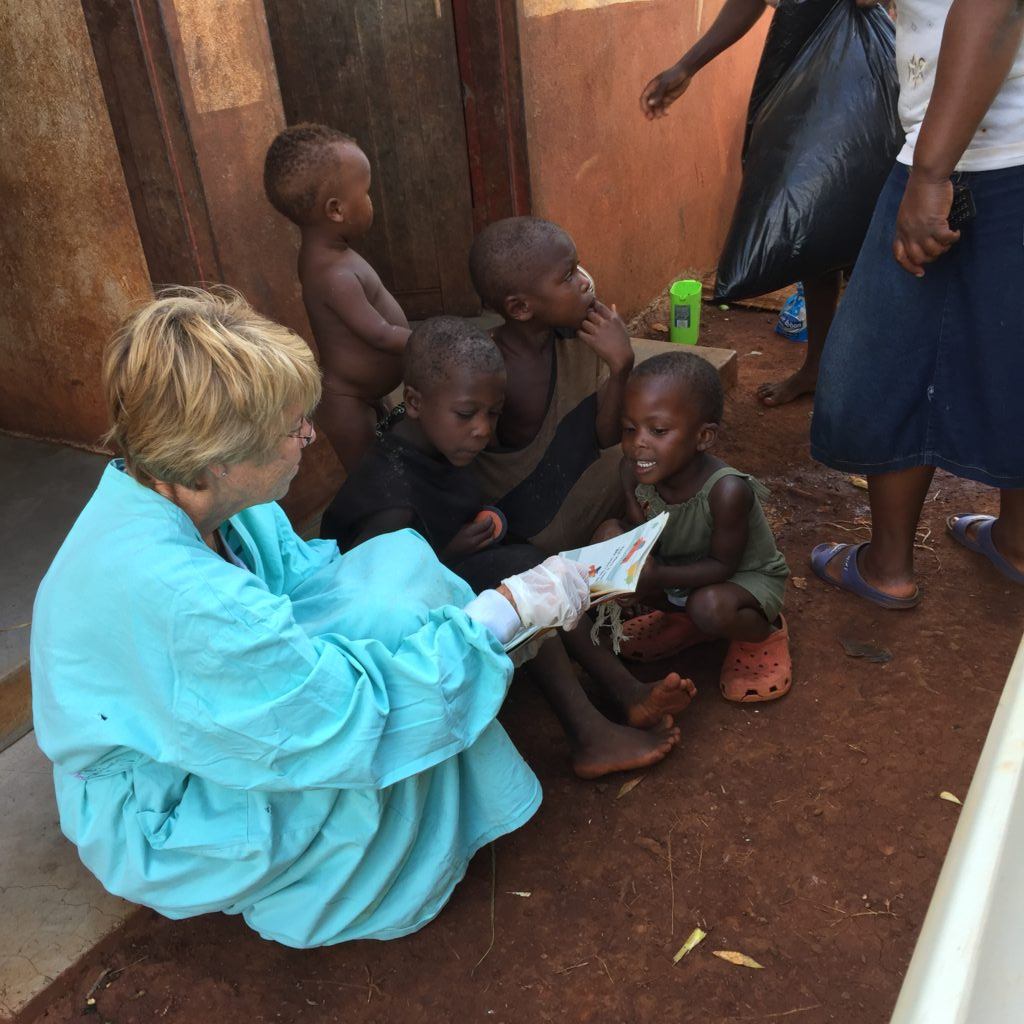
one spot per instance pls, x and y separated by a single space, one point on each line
507 256
689 371
439 345
296 163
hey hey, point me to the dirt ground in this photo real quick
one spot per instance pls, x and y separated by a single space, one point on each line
807 834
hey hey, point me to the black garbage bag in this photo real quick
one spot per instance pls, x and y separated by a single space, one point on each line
823 135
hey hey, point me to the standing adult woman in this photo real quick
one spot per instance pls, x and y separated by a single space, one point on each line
821 292
245 722
925 364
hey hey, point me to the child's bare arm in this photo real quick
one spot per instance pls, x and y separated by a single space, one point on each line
634 513
730 500
346 298
604 332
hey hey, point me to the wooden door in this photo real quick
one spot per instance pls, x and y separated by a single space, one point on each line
386 72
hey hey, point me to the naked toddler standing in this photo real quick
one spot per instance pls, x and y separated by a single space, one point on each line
319 178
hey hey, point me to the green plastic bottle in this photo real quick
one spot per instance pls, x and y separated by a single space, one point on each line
684 323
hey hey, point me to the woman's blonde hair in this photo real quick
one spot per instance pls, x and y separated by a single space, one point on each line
198 377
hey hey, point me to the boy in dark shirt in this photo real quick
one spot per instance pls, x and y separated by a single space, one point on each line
417 475
320 179
554 469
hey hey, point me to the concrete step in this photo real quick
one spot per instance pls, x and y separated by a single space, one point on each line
52 910
44 488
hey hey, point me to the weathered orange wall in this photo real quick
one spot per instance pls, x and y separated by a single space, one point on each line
72 261
229 90
643 200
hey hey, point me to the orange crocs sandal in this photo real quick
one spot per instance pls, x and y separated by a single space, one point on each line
656 635
758 671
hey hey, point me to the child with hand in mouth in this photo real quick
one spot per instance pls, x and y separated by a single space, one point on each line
717 557
553 468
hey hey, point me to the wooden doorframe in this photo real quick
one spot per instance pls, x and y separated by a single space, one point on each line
487 46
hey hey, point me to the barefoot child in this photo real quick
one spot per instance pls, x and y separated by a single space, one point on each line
717 556
553 471
320 179
417 475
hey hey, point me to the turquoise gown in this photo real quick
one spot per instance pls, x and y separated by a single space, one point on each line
311 744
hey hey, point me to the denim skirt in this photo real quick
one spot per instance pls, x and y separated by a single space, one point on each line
930 371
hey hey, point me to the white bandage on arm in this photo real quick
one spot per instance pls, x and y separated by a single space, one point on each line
495 612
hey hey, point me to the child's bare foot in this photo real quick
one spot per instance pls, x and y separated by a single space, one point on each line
621 748
668 696
780 392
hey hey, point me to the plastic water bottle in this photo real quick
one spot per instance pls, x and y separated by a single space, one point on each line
792 323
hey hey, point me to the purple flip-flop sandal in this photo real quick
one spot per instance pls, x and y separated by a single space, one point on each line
981 543
850 578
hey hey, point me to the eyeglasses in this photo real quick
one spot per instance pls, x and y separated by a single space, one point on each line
306 439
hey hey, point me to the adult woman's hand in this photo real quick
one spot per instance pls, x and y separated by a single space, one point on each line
663 90
555 593
922 224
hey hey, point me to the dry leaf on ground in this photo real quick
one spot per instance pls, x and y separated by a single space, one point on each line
628 787
651 845
739 959
859 482
799 582
696 936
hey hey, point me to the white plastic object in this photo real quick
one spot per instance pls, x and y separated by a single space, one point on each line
967 966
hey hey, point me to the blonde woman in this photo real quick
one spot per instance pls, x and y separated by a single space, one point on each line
245 722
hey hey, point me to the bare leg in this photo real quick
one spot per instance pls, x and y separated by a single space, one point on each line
598 746
1008 529
642 704
887 563
727 610
822 297
349 424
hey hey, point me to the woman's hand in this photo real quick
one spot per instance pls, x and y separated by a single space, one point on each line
555 593
922 224
663 90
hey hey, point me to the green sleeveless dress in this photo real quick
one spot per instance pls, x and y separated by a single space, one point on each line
687 538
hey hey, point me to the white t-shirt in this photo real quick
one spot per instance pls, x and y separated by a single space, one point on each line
999 141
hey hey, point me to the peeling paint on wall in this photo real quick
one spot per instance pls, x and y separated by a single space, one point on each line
541 8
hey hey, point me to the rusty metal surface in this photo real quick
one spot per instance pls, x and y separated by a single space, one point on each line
71 258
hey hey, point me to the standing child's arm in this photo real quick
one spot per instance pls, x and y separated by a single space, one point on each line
730 501
346 298
605 334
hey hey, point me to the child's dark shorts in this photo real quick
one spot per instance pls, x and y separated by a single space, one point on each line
930 371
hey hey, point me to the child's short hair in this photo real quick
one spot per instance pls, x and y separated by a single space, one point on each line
507 256
295 165
438 345
690 371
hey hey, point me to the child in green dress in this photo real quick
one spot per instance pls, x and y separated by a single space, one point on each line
717 556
